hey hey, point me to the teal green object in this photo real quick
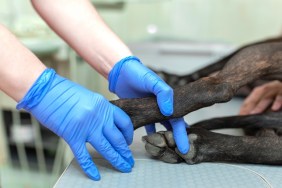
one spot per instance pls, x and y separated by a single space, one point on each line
129 78
79 116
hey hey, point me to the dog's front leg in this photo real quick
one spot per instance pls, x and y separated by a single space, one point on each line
252 63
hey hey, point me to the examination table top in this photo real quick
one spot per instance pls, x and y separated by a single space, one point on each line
148 172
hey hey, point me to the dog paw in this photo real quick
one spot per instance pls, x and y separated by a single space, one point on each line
190 157
161 145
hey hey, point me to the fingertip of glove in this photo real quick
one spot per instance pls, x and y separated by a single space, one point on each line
126 168
131 161
184 149
96 178
167 110
164 97
93 174
182 141
129 141
165 105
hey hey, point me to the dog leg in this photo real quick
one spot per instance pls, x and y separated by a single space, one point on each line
206 146
176 80
265 120
252 63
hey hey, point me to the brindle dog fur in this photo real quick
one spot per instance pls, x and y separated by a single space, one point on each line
262 143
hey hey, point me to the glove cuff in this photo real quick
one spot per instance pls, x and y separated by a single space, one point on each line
115 72
38 90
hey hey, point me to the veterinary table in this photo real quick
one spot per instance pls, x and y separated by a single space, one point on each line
149 172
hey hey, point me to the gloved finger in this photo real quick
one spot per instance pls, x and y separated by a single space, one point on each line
150 129
124 124
167 125
109 153
180 134
163 92
116 139
85 161
164 98
186 124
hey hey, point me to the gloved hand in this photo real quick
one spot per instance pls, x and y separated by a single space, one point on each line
79 116
129 78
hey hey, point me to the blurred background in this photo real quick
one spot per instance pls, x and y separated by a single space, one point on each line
178 36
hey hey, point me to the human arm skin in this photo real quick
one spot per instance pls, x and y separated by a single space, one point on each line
19 67
79 24
269 94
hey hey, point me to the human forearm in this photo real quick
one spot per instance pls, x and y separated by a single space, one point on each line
79 24
19 67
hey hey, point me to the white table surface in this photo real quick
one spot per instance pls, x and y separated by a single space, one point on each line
153 173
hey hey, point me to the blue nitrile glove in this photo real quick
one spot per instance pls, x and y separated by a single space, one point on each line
79 116
129 78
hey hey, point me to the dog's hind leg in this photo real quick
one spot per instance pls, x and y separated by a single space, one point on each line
175 80
206 146
264 120
179 80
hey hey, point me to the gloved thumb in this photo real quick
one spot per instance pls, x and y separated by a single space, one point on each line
163 92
